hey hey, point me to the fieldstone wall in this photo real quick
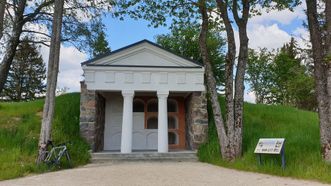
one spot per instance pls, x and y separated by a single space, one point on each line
92 117
196 119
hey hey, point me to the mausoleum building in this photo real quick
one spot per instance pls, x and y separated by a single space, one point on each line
143 98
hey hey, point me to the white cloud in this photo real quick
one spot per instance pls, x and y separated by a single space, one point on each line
264 31
250 97
270 37
70 73
302 36
260 36
283 17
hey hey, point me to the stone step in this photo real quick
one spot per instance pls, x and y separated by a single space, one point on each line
100 157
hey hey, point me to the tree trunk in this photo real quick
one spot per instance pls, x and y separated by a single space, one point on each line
239 90
235 104
53 68
326 146
230 58
12 43
322 72
240 75
211 85
2 16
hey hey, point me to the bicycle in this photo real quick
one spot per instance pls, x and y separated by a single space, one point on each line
54 156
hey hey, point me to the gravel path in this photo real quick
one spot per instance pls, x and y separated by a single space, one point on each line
153 173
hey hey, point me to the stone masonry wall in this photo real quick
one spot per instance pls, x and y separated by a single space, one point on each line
196 119
100 122
92 117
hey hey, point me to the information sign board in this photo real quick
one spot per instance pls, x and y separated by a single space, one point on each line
269 146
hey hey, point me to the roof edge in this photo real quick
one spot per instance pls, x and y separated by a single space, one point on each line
134 44
142 66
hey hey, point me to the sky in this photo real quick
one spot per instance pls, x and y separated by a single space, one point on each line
270 30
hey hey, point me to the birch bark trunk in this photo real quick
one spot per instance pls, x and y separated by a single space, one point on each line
211 82
230 134
53 68
240 75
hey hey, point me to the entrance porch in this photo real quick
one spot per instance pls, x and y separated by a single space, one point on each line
129 121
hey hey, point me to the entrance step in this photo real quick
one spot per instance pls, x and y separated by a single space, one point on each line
104 156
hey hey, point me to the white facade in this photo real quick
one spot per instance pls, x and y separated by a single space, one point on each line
144 67
141 67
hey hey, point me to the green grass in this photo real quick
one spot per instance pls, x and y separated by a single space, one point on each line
19 134
302 148
20 127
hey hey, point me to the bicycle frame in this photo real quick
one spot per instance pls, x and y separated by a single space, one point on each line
56 153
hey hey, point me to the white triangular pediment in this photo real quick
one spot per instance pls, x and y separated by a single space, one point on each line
143 54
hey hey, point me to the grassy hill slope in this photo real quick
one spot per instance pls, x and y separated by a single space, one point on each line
302 147
19 134
20 127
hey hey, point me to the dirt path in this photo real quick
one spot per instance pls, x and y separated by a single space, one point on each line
153 173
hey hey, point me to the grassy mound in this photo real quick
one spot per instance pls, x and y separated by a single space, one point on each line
19 134
20 127
302 147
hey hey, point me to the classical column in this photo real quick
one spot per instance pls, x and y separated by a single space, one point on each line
127 120
162 140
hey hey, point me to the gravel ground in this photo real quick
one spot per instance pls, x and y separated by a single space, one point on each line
153 173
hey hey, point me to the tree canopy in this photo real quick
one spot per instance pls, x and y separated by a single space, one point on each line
27 74
184 41
281 77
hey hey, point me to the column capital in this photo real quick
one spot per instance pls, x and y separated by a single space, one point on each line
162 93
127 93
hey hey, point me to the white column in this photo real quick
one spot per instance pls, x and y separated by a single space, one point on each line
127 120
162 140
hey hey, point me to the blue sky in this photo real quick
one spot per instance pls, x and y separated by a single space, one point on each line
271 30
123 33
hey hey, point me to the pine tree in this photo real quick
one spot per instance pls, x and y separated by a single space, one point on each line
97 41
100 45
25 79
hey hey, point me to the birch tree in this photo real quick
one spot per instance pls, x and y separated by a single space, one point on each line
319 24
236 14
53 68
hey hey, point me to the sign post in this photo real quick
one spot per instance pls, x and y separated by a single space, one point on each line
275 146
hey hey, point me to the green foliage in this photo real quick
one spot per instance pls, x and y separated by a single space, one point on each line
78 17
19 133
97 39
82 24
27 73
100 45
167 13
281 78
302 147
184 41
259 74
